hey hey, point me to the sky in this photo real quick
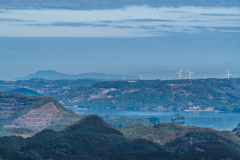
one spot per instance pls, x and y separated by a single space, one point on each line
116 38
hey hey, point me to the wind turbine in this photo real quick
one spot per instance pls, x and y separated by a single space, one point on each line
190 74
180 74
140 77
228 75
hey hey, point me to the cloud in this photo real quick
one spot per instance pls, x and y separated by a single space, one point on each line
206 14
129 22
76 24
113 4
234 31
10 20
123 27
151 20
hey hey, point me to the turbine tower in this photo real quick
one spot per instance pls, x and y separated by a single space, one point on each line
228 75
140 77
180 74
190 74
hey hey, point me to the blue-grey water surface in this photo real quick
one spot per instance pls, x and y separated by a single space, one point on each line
219 121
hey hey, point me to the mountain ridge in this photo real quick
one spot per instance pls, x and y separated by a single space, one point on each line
54 75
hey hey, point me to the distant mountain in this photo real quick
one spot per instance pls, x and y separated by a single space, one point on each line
163 75
53 75
24 91
21 111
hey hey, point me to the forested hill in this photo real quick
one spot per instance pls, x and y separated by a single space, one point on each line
200 94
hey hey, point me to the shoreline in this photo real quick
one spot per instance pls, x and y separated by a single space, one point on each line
107 108
189 110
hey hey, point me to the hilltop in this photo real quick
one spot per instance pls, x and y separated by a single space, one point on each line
205 141
23 111
200 94
91 138
164 133
90 124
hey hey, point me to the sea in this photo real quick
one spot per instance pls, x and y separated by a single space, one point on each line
218 121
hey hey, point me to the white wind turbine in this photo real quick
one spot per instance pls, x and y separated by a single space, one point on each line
180 74
228 75
190 74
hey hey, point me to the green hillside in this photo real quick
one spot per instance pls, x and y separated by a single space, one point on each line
91 138
200 94
164 133
205 141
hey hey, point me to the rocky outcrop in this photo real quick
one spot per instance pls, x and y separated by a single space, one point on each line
21 111
178 118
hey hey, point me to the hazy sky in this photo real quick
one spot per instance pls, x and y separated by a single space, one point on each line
119 40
